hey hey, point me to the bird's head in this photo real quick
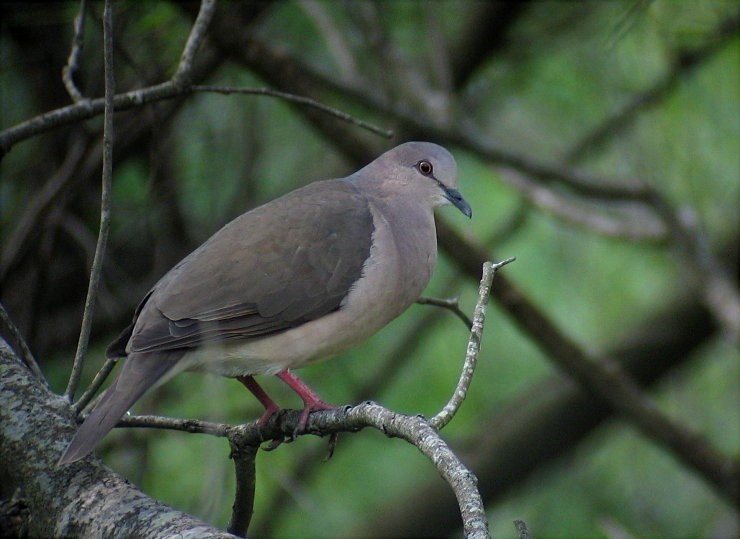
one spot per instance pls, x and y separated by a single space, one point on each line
424 170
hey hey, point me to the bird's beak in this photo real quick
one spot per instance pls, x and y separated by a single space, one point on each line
454 196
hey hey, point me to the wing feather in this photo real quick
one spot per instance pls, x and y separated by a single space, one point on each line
252 279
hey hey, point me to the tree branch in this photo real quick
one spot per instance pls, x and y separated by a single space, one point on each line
182 76
299 100
471 356
414 429
105 203
96 383
84 499
244 457
73 62
451 305
177 86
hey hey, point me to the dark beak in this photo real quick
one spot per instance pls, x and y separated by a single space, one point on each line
454 196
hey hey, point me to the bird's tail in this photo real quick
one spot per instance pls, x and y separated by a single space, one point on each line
139 373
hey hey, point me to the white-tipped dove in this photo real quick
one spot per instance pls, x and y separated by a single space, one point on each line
290 283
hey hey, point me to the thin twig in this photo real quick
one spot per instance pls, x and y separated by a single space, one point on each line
451 304
105 196
100 377
73 61
178 85
197 34
89 108
300 100
193 426
20 343
471 356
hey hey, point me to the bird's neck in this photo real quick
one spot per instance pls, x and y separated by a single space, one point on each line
413 242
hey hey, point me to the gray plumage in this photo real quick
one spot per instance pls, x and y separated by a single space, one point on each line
292 282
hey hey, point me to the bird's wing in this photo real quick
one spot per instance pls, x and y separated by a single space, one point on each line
283 264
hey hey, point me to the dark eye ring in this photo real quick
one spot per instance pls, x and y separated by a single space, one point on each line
425 167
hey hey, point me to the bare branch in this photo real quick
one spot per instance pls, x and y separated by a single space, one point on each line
451 304
100 377
244 457
83 500
420 433
136 98
194 426
105 201
471 356
300 100
414 429
73 62
197 34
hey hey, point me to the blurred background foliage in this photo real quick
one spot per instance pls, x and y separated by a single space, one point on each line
624 90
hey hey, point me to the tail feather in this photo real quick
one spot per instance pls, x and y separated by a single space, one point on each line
139 373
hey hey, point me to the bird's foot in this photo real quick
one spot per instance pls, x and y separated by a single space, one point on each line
311 406
311 401
270 410
274 444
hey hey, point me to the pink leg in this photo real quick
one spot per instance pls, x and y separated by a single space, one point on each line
310 399
270 407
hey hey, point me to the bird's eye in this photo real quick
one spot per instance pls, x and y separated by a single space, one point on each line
425 167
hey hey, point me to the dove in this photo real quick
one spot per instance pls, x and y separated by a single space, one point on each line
295 281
